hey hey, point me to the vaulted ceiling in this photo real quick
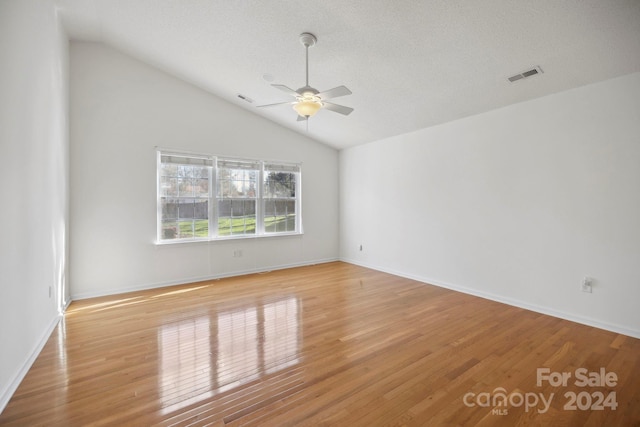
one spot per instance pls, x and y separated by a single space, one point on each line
410 64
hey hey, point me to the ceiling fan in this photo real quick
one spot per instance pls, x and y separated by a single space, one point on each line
308 99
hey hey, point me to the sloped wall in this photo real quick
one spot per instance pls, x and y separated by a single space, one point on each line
121 109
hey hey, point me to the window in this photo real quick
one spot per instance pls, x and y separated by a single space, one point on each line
184 192
237 197
206 197
280 198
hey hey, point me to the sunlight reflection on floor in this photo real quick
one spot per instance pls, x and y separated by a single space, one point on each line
210 353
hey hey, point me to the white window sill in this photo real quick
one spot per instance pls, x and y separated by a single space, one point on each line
223 239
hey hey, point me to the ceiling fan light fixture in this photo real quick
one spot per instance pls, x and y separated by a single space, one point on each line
307 108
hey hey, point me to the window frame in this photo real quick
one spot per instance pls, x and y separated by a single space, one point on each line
213 196
279 167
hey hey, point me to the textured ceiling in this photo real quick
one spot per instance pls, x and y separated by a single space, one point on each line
409 64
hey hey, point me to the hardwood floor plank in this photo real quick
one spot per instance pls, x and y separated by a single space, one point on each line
326 345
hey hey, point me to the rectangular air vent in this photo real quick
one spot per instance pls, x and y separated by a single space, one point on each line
523 75
245 98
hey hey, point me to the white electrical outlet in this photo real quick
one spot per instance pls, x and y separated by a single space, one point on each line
587 285
237 253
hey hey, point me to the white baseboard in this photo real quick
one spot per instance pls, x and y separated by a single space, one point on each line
509 301
143 287
6 394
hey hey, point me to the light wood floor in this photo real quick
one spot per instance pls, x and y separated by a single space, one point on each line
332 344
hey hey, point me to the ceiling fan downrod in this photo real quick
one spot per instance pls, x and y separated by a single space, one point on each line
308 40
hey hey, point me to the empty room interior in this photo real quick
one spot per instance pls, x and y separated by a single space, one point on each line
341 213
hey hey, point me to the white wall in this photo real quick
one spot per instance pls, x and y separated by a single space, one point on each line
517 204
33 194
120 110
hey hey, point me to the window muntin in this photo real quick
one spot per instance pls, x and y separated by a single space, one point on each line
205 198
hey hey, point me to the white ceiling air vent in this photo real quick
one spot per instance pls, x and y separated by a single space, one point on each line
245 98
523 75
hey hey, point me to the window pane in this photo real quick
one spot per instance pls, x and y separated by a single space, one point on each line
185 187
169 208
201 227
185 171
186 209
200 172
236 217
186 229
168 186
237 183
224 208
168 170
169 230
280 216
280 184
184 200
185 218
201 187
201 209
243 208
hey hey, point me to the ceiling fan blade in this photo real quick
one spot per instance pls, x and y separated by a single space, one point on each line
334 93
287 90
273 105
337 108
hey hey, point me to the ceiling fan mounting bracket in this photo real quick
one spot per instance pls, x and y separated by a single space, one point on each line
308 39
